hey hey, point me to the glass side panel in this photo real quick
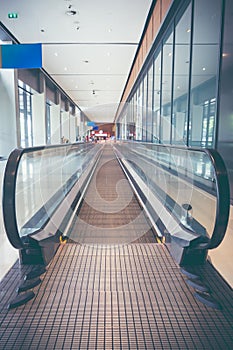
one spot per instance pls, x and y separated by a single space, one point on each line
44 178
183 180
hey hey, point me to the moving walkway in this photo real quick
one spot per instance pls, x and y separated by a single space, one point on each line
113 241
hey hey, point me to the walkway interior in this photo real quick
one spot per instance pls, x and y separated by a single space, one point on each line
118 289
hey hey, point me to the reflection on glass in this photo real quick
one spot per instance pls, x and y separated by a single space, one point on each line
182 180
144 109
25 110
43 180
166 89
156 102
149 105
181 78
139 114
204 72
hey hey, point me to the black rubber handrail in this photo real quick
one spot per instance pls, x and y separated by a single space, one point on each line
8 204
223 198
9 188
222 189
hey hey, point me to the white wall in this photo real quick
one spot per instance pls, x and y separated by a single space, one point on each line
38 119
8 134
55 124
72 128
65 125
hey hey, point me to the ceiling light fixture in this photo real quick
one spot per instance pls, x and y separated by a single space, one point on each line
71 12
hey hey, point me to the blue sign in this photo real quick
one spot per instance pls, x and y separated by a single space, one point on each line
90 124
21 56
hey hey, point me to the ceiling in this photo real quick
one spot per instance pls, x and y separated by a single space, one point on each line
88 46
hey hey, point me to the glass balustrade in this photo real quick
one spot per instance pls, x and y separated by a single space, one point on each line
37 180
185 181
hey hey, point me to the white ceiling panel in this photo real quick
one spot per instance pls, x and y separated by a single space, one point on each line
93 49
88 59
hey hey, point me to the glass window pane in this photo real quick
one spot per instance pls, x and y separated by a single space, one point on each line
181 78
25 107
149 105
156 102
166 89
144 109
139 114
207 26
22 130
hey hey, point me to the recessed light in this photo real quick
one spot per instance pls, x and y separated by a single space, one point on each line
225 55
71 13
188 30
55 54
65 68
169 54
203 68
110 30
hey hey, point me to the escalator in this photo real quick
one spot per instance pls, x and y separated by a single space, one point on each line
134 271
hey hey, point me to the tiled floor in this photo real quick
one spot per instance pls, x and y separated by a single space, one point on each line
127 297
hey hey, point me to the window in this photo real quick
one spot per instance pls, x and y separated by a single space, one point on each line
181 78
156 100
25 109
149 132
167 63
48 123
206 36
